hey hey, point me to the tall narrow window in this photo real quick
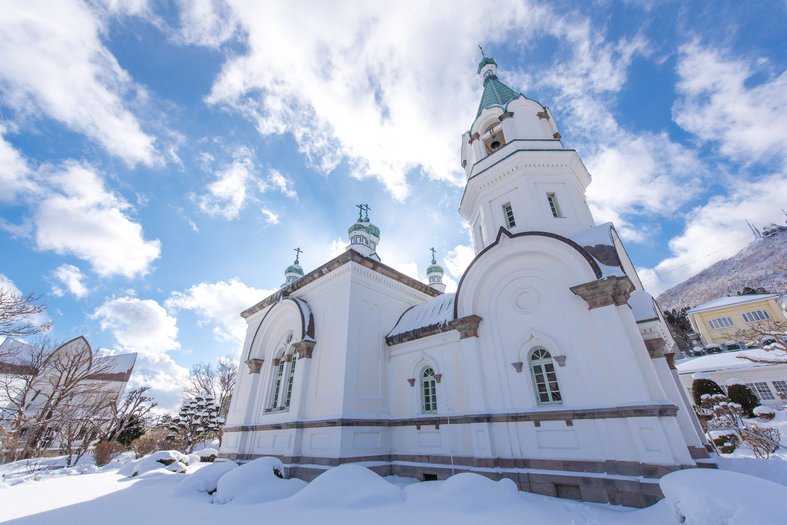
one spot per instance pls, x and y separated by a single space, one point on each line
279 373
291 376
509 213
428 392
553 205
544 377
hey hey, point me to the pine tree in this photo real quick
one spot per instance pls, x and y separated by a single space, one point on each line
700 387
197 421
744 396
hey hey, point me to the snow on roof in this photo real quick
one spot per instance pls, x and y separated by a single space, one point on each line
729 301
437 311
724 361
114 367
598 241
642 306
15 351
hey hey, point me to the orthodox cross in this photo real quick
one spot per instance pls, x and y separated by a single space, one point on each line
482 51
367 211
432 253
298 253
360 210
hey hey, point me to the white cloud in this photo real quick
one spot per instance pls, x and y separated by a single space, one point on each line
15 175
71 277
9 286
410 269
458 259
227 195
337 247
749 123
271 217
718 229
53 63
282 183
79 216
139 325
220 303
359 94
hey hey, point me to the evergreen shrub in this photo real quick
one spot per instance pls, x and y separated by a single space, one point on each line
744 396
700 387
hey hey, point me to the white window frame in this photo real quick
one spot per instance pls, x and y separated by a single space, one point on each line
508 214
755 316
282 376
553 205
543 372
720 322
762 391
428 391
780 387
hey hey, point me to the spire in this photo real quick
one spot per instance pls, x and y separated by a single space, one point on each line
293 271
495 92
364 236
435 274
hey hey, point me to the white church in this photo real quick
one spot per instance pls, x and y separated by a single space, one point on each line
550 365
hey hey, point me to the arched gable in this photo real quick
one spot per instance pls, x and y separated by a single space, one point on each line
582 263
287 313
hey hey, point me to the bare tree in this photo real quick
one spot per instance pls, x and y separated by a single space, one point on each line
136 405
218 382
769 332
17 312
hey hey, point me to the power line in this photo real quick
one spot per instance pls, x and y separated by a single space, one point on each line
696 260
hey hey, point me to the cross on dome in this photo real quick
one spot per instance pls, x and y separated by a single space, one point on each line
298 253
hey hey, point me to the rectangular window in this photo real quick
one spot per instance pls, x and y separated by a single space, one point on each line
781 387
553 205
762 390
509 213
756 315
721 322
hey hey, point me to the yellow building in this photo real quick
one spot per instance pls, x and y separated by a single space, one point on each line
719 320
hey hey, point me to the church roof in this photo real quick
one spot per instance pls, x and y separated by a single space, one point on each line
423 320
334 264
599 243
496 94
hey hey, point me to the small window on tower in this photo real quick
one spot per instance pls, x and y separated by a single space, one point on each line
509 213
553 205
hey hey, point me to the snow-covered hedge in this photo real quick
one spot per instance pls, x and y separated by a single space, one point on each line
256 482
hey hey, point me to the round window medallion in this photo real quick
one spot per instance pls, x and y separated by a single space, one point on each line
525 300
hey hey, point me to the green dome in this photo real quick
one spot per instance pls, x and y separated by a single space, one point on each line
357 226
293 269
434 269
374 230
485 61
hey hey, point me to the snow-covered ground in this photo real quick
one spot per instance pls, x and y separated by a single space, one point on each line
353 494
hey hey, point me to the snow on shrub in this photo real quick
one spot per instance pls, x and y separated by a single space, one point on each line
158 460
205 479
256 482
764 413
744 396
193 459
348 486
703 385
703 496
734 381
465 491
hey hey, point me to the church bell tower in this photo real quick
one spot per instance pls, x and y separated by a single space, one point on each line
519 175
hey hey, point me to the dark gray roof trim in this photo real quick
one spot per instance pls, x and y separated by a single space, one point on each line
502 231
307 330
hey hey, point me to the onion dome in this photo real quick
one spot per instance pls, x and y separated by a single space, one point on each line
495 92
364 236
293 271
435 274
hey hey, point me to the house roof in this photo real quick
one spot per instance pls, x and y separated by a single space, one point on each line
723 361
722 302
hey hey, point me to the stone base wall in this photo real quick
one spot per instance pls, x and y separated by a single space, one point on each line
624 483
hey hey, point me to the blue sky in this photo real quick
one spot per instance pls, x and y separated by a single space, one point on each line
159 161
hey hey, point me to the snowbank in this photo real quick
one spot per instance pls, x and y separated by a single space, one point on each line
348 485
255 482
466 491
704 496
151 463
205 479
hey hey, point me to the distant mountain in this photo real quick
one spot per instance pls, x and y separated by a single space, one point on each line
761 264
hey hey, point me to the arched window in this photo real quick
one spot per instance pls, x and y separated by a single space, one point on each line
283 375
544 377
428 392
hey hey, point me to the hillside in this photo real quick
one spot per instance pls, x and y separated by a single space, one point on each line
757 265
